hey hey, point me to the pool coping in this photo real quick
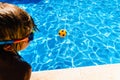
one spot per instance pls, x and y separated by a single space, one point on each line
101 72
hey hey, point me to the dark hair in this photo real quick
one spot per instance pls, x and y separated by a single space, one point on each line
15 23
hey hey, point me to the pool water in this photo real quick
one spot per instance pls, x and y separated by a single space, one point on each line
93 33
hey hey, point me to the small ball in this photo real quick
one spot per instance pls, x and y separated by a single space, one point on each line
62 33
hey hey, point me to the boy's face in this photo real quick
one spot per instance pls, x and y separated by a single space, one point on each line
27 40
19 44
24 45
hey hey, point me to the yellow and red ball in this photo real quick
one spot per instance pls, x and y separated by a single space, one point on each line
62 33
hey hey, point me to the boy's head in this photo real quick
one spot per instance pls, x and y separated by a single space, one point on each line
15 24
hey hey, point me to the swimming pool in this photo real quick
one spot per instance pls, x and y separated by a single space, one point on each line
93 33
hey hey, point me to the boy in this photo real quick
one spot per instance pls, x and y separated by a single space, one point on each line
16 31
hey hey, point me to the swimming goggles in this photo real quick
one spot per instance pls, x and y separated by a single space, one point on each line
29 38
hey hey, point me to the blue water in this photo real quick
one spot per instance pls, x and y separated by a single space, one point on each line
93 33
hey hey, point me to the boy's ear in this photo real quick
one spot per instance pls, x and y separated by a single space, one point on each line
8 48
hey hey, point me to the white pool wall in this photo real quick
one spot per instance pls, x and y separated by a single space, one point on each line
102 72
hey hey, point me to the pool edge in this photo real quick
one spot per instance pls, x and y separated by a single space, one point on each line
102 72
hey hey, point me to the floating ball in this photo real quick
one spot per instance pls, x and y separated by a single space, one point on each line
62 33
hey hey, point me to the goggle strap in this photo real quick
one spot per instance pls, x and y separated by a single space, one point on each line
17 41
6 42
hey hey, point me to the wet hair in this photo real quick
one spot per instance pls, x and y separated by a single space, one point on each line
15 23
